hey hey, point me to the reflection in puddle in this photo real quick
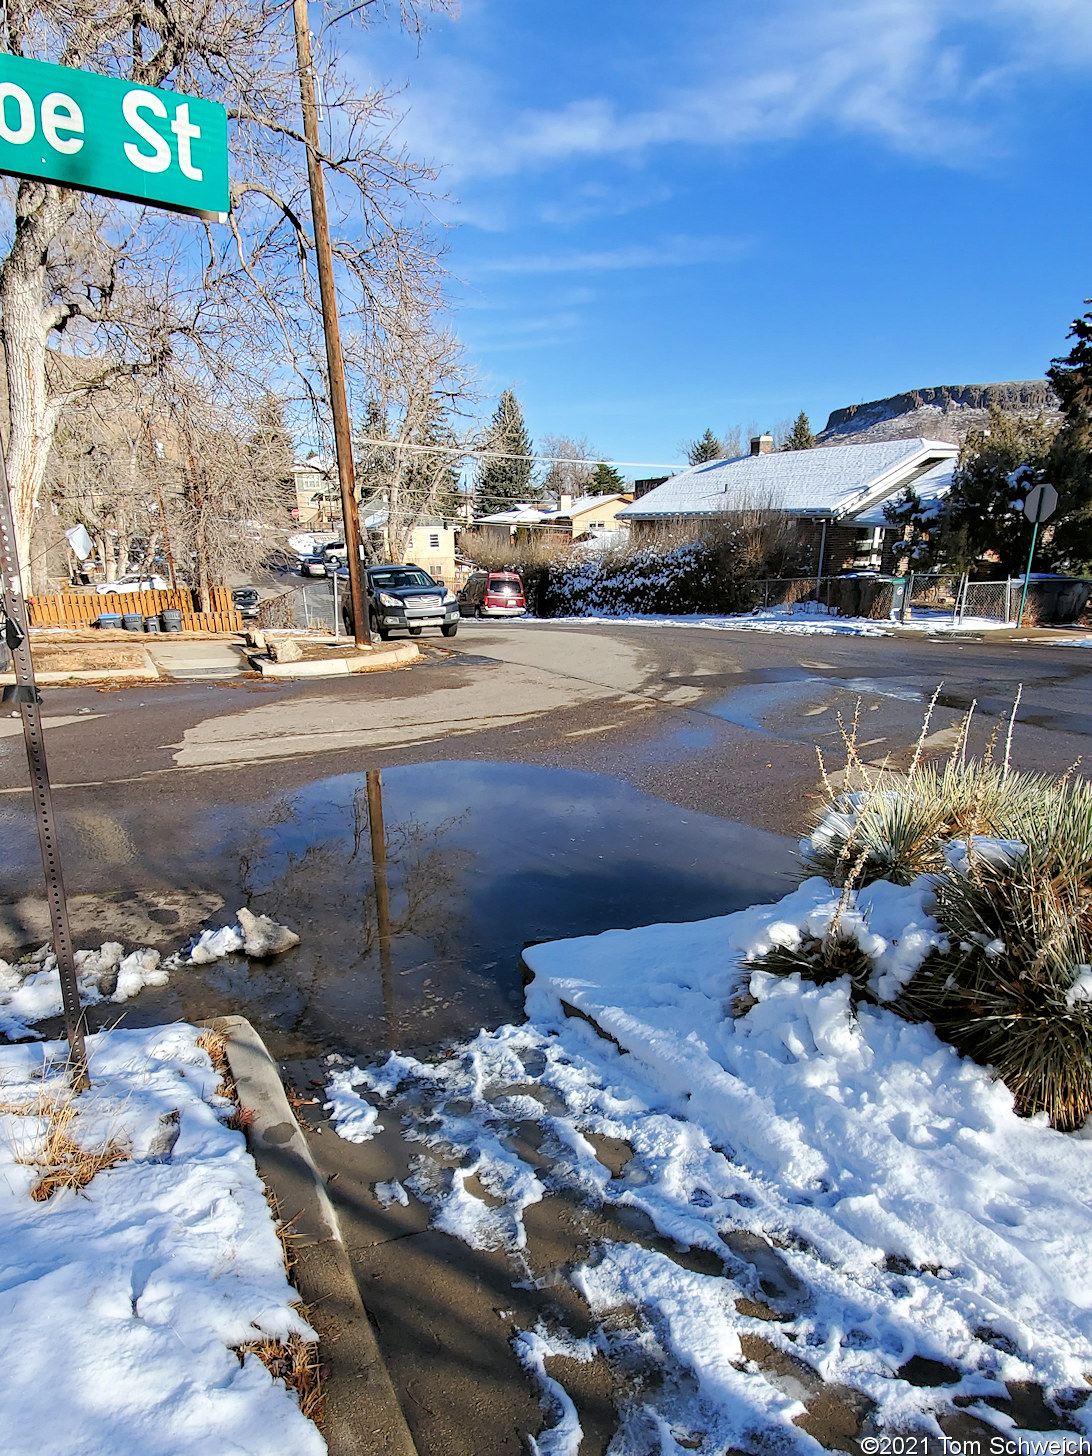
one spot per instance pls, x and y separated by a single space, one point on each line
481 859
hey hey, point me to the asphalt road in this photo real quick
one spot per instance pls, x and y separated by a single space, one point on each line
588 770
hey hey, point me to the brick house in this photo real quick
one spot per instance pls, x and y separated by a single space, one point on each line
835 494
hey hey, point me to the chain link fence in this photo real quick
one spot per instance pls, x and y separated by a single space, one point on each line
944 599
300 606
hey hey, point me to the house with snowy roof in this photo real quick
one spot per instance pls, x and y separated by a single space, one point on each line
835 494
586 517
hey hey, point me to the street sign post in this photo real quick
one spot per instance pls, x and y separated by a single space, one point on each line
24 693
103 134
99 134
1039 506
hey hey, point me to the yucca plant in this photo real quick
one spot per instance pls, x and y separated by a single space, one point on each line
1018 915
1020 927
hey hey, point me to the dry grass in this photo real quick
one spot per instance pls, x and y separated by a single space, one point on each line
296 1362
214 1044
62 1161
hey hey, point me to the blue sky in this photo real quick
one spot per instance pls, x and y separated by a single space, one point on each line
663 217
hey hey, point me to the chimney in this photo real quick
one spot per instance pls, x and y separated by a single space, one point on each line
565 504
761 444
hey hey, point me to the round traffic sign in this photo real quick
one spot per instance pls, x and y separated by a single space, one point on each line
1041 503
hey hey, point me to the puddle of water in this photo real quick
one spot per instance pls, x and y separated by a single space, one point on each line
483 858
749 705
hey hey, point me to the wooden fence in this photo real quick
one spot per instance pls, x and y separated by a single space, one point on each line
82 609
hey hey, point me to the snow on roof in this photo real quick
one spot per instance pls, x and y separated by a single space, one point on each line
324 464
832 480
518 515
930 488
588 503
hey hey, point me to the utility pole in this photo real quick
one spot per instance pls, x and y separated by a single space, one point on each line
335 363
378 837
25 695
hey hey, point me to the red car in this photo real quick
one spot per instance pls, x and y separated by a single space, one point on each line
493 594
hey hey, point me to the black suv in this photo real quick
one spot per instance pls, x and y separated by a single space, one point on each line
404 598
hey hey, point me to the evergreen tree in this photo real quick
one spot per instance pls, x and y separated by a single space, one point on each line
504 482
997 466
1069 468
800 436
700 452
605 480
271 449
921 533
373 463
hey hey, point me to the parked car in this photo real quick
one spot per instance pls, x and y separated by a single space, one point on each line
133 584
247 602
404 598
313 565
492 594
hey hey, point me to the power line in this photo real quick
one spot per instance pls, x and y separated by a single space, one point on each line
502 455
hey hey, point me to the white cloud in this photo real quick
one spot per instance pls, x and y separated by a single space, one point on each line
921 76
672 252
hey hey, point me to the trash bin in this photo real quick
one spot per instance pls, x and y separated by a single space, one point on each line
171 619
109 621
151 624
132 621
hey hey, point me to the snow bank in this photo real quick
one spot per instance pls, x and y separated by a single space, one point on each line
795 622
872 1190
122 1304
30 989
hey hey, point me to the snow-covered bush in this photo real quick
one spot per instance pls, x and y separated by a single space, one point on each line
710 573
1007 859
897 827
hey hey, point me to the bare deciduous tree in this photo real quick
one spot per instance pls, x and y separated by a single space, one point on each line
563 477
426 392
127 291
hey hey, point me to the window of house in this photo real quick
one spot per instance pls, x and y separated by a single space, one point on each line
434 541
598 525
869 549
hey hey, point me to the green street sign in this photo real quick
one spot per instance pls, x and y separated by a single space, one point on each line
102 134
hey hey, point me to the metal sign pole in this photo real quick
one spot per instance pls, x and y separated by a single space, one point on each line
1040 505
25 694
1027 573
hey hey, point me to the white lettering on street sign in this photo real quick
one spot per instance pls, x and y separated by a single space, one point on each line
104 134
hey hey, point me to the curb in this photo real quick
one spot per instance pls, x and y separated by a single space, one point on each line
78 675
363 1417
375 661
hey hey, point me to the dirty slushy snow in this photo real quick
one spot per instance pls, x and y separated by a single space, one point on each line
871 1196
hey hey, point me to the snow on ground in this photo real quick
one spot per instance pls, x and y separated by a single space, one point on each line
811 620
30 988
872 1196
122 1303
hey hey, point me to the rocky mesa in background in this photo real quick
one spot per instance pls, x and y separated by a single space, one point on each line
945 412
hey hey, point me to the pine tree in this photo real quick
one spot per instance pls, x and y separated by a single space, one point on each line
373 463
1069 468
920 530
800 436
504 482
271 449
605 480
700 452
980 520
